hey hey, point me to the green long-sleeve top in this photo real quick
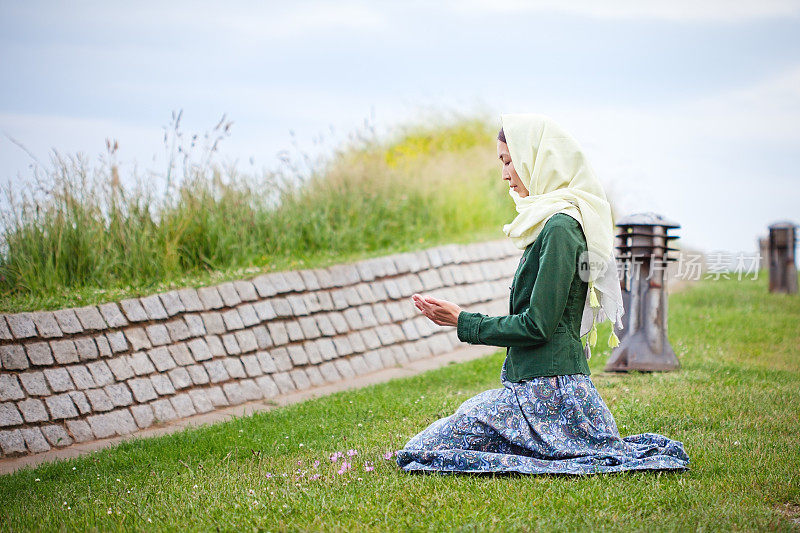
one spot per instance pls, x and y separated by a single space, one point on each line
542 330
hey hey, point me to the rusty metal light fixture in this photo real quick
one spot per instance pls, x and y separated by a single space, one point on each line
642 246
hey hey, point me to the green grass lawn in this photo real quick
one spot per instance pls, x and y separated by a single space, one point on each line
735 405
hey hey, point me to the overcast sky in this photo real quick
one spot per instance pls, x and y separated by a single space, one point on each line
689 108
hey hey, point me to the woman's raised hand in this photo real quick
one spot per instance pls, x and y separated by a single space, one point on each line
441 312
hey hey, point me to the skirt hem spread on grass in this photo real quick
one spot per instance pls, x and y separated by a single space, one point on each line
547 425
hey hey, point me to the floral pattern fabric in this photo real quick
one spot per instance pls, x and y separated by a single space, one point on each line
546 425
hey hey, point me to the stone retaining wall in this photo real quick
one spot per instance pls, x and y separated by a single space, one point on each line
95 372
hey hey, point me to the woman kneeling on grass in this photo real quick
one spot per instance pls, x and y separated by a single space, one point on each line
548 417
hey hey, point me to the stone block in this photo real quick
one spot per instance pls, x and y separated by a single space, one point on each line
58 379
172 303
32 410
121 367
199 349
212 320
195 325
64 351
230 344
12 442
264 286
216 371
180 378
315 376
183 405
21 325
112 315
81 377
80 430
297 354
200 400
227 292
263 339
278 333
326 349
158 334
359 364
191 302
99 400
210 298
177 329
46 324
138 339
162 384
161 358
282 360
61 406
216 396
234 367
234 394
68 321
232 320
373 360
312 302
90 318
329 372
356 342
143 415
56 436
35 440
266 362
368 316
264 310
371 339
39 353
246 289
339 323
141 364
248 315
180 354
119 394
102 426
284 382
294 331
250 390
87 348
163 410
198 374
251 366
81 402
123 421
133 310
10 388
102 346
215 346
309 280
100 373
312 352
342 344
324 325
281 307
345 368
153 307
267 386
300 378
142 389
34 383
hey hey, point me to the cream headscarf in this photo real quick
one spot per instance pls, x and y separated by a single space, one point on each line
559 179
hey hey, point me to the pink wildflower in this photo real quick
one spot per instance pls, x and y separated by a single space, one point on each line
352 452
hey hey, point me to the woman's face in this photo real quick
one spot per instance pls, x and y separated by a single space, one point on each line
508 170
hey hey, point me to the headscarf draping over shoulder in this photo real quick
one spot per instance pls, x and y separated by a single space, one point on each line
559 179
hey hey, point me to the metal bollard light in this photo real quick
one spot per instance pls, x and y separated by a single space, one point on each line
781 246
642 256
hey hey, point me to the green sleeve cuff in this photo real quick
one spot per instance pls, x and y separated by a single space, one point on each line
468 325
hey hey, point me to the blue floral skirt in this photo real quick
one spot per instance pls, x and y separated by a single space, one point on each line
546 425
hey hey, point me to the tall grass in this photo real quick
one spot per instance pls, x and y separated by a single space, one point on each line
83 235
